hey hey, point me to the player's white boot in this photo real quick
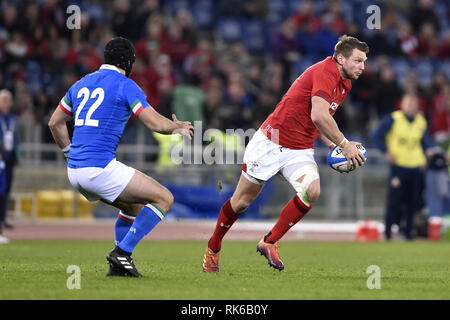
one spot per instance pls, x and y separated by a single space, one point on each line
3 239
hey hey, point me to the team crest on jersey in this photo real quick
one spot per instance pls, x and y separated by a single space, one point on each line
253 165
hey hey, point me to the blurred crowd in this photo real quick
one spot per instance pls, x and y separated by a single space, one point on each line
236 57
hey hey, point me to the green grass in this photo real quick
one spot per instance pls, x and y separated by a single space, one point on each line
172 270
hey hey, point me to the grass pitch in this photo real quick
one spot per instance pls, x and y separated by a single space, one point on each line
172 271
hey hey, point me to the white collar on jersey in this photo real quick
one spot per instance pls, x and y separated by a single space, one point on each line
109 67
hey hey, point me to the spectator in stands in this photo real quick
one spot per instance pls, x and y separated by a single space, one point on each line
16 51
32 18
10 148
3 239
188 100
286 48
386 92
214 109
412 87
188 27
9 19
37 48
436 85
239 102
409 41
256 9
428 43
146 9
423 13
123 20
305 19
238 55
179 48
201 61
162 80
334 17
402 137
437 175
326 36
440 120
139 75
444 46
230 8
252 80
44 108
155 42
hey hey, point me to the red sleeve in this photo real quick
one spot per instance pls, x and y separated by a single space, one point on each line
324 82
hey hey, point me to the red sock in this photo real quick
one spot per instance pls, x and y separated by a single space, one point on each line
292 213
226 218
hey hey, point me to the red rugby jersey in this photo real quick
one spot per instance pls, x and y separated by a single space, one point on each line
292 116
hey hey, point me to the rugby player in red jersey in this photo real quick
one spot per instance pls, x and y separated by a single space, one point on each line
285 144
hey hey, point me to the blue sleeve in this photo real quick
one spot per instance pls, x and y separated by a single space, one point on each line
378 135
427 141
135 97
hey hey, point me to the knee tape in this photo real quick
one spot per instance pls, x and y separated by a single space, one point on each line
301 179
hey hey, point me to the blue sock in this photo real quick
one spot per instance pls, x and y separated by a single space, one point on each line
123 224
145 221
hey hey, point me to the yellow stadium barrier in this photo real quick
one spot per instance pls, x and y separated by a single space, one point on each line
53 204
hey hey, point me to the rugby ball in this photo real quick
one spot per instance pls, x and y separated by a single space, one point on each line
337 161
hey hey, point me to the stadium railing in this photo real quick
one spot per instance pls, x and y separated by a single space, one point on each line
201 189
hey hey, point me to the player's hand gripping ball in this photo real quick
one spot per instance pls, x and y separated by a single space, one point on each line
338 161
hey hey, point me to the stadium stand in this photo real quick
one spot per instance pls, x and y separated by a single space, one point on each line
40 58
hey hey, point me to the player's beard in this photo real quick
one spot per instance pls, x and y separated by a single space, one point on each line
350 75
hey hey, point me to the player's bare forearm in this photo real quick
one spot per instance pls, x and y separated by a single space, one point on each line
329 128
330 144
156 122
324 122
58 128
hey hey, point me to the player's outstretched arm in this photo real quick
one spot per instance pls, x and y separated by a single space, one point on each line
58 128
156 122
329 129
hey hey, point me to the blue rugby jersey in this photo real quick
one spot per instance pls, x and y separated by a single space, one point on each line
101 104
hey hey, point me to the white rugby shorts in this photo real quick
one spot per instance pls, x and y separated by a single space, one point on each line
264 158
101 183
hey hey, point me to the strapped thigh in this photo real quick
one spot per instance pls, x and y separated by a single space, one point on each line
300 176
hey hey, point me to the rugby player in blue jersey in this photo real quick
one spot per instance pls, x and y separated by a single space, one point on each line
100 105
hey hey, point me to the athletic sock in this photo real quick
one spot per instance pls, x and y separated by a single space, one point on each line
123 224
145 221
292 213
226 218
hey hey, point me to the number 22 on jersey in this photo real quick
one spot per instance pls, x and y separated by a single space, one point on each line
84 92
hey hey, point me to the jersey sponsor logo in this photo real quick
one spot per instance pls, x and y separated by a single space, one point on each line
334 106
269 128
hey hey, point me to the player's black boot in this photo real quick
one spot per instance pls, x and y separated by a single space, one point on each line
121 264
115 272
